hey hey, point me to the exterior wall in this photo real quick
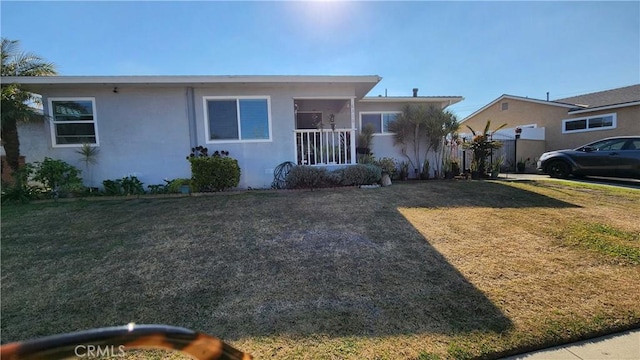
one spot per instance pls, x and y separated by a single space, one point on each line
529 149
142 132
628 123
383 143
258 159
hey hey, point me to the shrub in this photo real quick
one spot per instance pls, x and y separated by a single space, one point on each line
387 165
128 185
158 189
173 186
57 175
366 159
214 173
361 174
20 191
334 178
307 177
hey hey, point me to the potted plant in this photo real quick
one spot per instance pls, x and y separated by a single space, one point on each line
481 144
521 165
495 167
424 175
455 168
404 170
388 168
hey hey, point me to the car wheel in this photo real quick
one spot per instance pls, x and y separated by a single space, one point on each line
558 169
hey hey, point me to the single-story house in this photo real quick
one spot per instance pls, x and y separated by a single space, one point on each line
146 125
561 123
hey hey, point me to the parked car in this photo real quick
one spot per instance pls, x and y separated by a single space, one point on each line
614 157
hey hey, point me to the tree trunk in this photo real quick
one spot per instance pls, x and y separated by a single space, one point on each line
11 144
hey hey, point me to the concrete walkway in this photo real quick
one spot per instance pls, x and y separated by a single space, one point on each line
621 346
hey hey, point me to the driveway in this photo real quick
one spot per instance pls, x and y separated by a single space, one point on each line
617 182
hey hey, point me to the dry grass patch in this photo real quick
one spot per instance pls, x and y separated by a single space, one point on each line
420 270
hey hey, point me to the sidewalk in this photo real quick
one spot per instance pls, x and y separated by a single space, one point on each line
621 346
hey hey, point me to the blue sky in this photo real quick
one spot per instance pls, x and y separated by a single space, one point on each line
478 50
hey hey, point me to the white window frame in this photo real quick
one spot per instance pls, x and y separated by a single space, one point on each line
381 120
53 122
614 123
237 99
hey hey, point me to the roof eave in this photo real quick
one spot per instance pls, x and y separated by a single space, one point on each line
189 79
363 84
604 107
443 100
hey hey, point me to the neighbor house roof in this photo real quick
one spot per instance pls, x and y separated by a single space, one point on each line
616 96
520 98
363 83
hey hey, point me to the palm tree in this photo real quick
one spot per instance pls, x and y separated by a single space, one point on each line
409 129
15 100
481 144
419 126
440 124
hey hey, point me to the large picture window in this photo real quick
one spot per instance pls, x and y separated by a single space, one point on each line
237 119
379 120
73 121
593 123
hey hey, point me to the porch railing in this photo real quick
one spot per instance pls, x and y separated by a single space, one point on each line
325 147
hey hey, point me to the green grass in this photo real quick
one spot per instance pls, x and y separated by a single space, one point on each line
420 270
602 238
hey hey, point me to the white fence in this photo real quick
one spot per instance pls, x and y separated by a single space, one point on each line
325 147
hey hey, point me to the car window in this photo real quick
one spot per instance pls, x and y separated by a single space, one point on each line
606 145
632 145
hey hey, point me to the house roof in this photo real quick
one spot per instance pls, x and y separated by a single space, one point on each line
363 83
616 96
520 98
604 107
443 100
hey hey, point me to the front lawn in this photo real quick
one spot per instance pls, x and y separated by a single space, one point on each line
437 269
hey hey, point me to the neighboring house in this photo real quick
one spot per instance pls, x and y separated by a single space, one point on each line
562 123
146 125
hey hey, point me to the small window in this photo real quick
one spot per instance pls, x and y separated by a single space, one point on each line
505 106
379 120
73 121
599 122
237 119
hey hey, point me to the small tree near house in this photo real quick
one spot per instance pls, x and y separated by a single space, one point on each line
419 130
481 144
15 108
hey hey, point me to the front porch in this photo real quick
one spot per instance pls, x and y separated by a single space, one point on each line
325 147
325 131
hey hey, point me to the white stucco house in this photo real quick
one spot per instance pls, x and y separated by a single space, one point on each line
146 125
